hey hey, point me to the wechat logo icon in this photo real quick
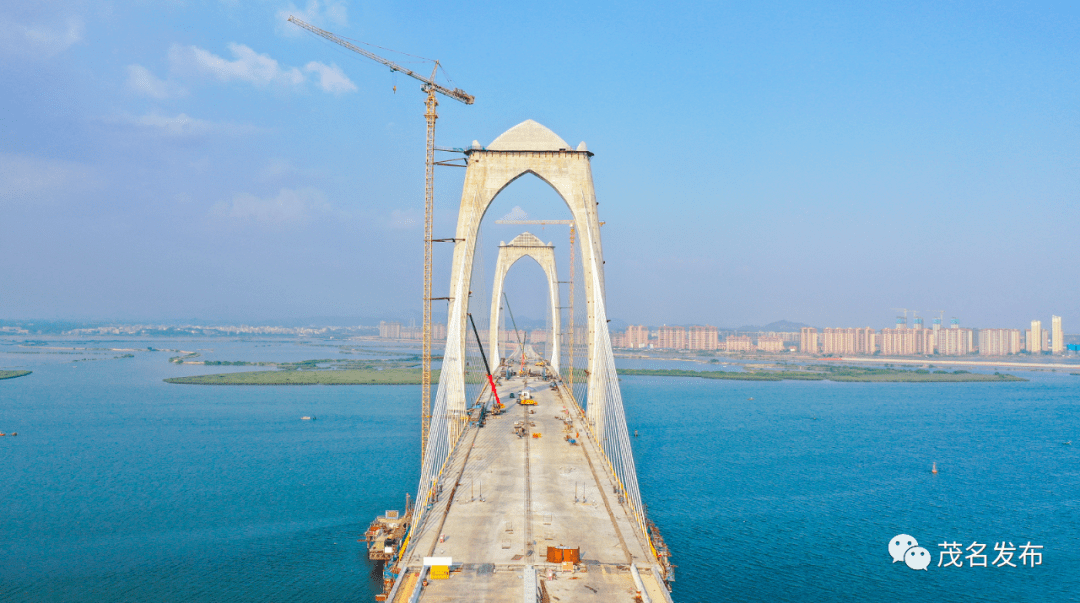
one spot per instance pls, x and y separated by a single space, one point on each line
905 548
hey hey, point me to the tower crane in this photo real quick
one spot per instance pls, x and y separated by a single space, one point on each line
431 87
905 311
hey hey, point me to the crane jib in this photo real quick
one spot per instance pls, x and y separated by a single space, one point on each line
456 93
429 87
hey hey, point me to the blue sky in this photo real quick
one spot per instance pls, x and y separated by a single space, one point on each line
819 162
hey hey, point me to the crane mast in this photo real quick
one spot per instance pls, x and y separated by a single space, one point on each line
431 87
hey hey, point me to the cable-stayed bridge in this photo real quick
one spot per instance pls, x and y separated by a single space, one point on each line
534 498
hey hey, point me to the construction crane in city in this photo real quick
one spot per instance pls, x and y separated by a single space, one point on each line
432 88
905 311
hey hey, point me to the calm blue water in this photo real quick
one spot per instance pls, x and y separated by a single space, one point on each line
795 495
120 487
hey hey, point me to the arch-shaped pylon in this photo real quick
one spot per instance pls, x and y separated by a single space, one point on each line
530 148
526 245
527 148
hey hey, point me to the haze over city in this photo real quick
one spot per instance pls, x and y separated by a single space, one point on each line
822 165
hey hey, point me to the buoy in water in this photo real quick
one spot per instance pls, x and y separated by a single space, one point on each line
934 470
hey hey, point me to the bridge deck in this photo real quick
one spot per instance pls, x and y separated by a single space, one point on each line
515 497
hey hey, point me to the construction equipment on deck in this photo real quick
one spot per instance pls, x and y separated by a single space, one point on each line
491 380
431 88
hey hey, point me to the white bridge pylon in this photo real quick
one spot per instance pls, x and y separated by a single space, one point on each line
525 245
530 148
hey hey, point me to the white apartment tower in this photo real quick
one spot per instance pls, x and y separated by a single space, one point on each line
808 340
1035 337
1057 339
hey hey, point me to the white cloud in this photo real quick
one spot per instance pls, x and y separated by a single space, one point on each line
181 126
247 66
143 82
282 172
27 178
289 207
330 12
39 40
331 77
516 214
408 218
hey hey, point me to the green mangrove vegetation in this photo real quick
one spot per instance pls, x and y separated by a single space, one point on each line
392 376
13 374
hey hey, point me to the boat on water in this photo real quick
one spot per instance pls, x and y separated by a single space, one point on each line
385 537
385 534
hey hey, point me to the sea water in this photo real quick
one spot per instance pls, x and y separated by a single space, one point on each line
120 487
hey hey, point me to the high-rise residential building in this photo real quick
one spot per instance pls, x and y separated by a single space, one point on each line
925 341
1035 338
791 338
619 340
865 341
1057 341
739 343
702 337
999 342
838 341
389 330
637 336
898 342
672 338
808 340
770 343
955 341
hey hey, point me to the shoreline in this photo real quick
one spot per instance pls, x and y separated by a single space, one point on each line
309 377
837 374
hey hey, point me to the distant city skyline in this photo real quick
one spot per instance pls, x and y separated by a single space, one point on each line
525 321
903 340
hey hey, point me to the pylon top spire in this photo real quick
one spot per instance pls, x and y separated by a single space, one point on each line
528 136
